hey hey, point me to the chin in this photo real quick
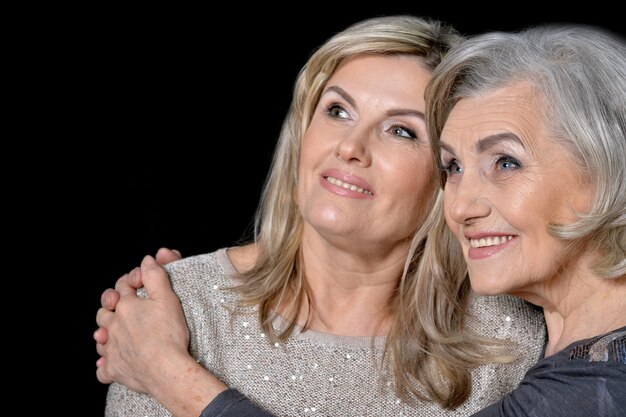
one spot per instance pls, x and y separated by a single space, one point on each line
485 287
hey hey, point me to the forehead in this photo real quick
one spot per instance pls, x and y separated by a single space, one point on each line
401 75
511 109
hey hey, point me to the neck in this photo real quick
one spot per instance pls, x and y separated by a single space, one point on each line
363 311
350 293
585 311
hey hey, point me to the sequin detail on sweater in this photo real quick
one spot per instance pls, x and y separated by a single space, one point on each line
316 374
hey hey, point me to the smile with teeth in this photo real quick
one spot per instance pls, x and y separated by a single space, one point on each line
347 186
489 241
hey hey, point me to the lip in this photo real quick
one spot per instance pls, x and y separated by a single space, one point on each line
347 178
487 251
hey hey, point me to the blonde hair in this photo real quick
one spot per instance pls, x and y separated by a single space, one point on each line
278 271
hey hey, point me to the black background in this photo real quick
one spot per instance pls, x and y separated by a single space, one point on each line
174 114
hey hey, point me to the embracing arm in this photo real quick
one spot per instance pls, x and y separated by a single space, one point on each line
143 343
564 386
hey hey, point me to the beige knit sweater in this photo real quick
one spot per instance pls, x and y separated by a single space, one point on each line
315 374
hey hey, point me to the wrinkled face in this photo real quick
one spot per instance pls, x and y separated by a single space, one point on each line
365 168
507 180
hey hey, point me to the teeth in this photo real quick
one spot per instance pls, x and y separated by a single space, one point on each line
489 241
348 186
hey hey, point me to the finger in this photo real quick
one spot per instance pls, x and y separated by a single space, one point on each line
127 284
102 375
165 256
123 278
155 279
101 349
135 278
101 335
101 361
109 299
104 317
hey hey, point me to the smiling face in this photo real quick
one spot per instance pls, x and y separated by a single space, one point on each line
507 181
365 170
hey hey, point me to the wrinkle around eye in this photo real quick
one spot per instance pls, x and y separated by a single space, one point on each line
410 134
451 166
507 163
334 111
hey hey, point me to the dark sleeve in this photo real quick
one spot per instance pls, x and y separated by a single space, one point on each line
579 389
232 403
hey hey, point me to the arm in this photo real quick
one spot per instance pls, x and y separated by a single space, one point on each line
143 345
232 403
559 386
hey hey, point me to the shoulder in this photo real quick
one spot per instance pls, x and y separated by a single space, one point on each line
505 316
609 347
244 257
563 385
568 384
200 277
510 318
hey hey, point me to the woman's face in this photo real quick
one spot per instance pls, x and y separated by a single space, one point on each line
507 181
365 174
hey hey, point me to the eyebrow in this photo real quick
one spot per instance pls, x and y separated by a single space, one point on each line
343 93
393 112
492 140
406 112
488 142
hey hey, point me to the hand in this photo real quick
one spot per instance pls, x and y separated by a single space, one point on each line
142 335
110 296
143 342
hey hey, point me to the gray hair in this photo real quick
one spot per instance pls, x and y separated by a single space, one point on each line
580 73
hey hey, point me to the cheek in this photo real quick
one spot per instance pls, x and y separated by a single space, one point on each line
447 207
532 206
563 204
417 189
306 150
417 180
316 143
314 150
310 151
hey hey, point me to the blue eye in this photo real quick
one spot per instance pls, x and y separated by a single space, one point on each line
451 170
402 131
452 167
506 162
335 110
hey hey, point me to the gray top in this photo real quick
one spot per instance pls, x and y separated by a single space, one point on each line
587 378
318 374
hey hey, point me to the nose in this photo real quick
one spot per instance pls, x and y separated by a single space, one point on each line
355 147
465 200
